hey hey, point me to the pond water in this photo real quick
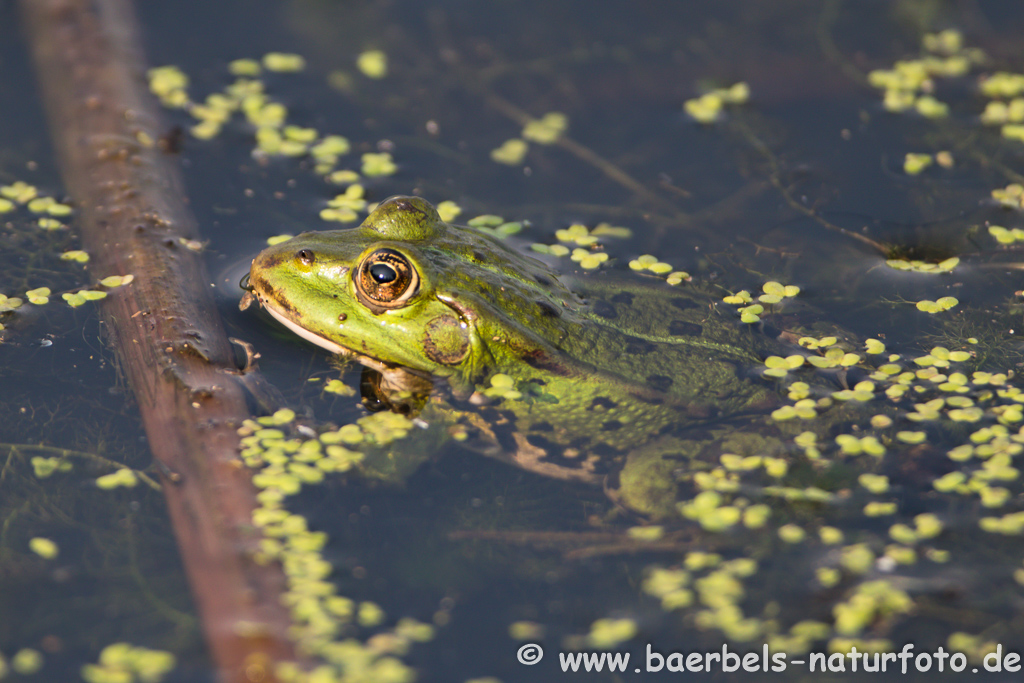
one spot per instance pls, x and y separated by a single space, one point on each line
872 161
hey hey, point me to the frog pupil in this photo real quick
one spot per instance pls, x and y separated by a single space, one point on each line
383 273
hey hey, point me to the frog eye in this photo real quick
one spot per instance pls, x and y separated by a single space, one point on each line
387 279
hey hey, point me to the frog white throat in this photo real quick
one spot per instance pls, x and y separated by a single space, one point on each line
331 346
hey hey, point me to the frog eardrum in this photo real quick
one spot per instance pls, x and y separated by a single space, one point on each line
386 278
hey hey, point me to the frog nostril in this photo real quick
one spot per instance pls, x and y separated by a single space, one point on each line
306 256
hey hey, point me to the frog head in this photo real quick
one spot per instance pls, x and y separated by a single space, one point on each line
407 289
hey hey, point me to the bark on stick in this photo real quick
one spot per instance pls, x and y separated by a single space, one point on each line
164 327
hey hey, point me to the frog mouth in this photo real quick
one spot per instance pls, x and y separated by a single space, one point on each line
322 342
257 289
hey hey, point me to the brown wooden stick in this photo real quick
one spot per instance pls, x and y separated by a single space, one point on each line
164 326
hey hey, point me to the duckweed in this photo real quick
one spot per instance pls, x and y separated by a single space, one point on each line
918 266
913 164
123 477
875 483
589 260
756 516
346 206
1006 236
284 465
45 467
75 255
578 234
830 535
485 221
778 291
609 230
943 304
751 314
911 437
370 614
705 508
169 84
47 205
853 445
27 661
547 129
651 263
677 277
879 509
20 192
774 293
8 304
44 548
283 62
803 409
947 42
244 67
646 533
499 227
336 386
606 634
502 386
39 296
79 298
125 663
828 576
373 64
871 600
741 297
701 560
901 533
114 281
857 558
274 135
512 152
525 630
908 84
780 367
928 525
669 585
1012 196
708 107
448 210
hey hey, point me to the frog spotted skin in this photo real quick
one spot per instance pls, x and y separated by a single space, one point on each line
604 368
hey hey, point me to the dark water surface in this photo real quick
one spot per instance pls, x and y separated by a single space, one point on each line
804 184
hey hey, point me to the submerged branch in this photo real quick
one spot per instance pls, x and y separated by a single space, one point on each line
591 157
775 176
594 543
55 452
164 326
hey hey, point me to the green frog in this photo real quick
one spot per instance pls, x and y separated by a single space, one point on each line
587 378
